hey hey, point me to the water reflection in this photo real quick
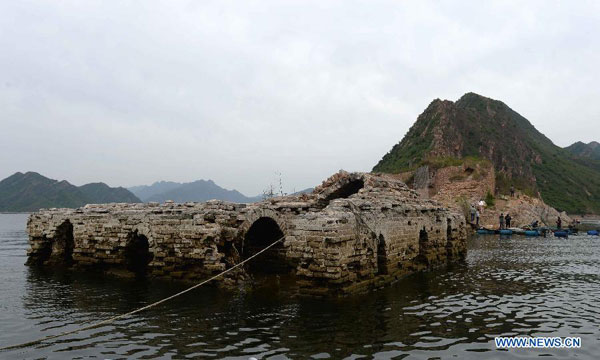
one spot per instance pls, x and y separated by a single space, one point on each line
509 286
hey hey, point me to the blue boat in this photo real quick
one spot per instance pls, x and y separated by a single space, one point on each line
532 233
563 234
593 232
485 232
505 232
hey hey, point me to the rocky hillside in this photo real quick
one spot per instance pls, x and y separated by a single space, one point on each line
31 191
483 128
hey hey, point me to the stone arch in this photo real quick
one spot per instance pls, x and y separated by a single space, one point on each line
261 233
137 254
252 216
63 244
381 256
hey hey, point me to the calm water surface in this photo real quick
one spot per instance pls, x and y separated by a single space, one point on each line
510 286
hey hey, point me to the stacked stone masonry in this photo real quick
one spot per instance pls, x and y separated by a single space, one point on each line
355 232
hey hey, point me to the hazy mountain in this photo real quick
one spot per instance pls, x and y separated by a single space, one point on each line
144 192
476 126
201 190
31 191
101 193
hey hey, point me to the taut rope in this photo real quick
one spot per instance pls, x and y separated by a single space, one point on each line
114 318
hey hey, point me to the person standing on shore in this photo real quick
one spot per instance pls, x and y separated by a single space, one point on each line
477 218
507 219
472 214
501 218
559 223
512 191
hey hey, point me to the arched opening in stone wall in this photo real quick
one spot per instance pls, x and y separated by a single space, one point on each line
346 190
381 256
137 254
63 244
423 245
261 234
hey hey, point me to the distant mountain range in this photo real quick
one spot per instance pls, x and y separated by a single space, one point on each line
476 126
31 191
200 190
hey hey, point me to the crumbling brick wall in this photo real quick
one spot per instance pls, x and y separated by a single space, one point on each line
355 232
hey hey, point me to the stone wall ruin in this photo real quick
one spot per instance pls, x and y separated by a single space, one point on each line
355 232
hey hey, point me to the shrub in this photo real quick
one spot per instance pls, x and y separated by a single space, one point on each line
489 199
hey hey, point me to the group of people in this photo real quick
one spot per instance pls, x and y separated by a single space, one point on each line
475 215
505 221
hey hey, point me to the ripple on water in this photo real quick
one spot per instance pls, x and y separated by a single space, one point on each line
508 287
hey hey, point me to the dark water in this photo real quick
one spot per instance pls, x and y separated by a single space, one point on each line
513 286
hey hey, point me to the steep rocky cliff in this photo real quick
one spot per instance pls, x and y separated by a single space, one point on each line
475 126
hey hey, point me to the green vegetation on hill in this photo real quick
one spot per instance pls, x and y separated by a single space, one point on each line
476 126
31 191
589 151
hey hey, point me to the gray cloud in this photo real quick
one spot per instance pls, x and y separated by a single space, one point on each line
129 92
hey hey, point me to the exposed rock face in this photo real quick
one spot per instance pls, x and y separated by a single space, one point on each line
354 232
523 210
457 187
469 182
480 127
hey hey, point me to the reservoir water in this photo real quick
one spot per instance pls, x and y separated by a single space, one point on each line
507 286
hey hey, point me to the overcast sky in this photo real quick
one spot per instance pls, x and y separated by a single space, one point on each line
130 92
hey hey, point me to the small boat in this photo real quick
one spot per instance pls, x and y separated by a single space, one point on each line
485 232
593 232
532 233
506 232
561 233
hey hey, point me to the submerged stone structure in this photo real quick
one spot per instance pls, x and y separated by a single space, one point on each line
355 232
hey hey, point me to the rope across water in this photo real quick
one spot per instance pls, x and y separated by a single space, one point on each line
115 318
